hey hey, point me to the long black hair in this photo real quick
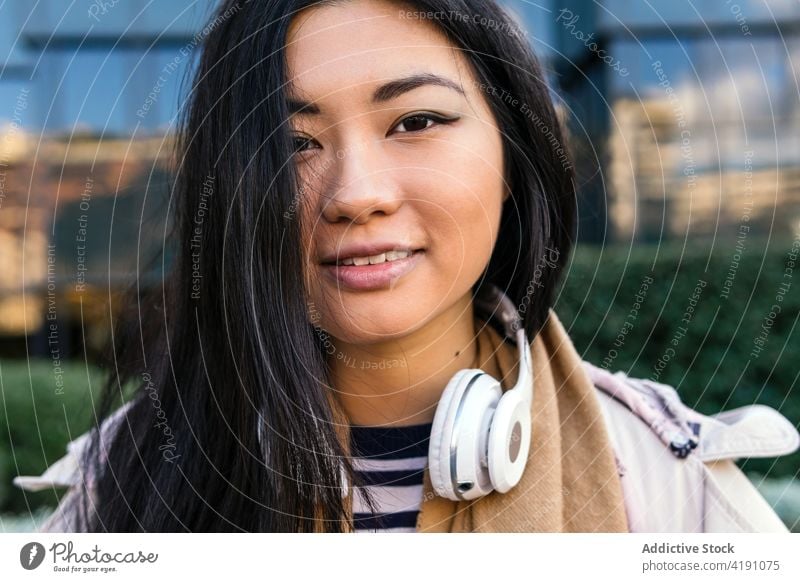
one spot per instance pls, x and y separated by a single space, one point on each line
230 425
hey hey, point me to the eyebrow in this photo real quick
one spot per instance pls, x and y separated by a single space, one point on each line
387 91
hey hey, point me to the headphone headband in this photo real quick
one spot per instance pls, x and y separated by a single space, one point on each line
491 302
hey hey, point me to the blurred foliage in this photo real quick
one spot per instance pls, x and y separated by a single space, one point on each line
713 367
783 494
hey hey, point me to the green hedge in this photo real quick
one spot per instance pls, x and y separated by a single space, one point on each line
713 366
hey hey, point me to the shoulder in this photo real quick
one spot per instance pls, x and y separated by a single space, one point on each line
678 464
70 471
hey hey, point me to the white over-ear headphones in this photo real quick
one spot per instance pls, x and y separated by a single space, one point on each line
481 436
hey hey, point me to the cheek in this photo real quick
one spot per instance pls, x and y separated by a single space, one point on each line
464 212
465 233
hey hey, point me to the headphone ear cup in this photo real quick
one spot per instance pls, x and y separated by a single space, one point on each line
509 441
469 467
442 432
461 425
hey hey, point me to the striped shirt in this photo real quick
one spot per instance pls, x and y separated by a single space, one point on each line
391 461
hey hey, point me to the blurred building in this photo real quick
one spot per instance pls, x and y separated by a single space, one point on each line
685 115
88 94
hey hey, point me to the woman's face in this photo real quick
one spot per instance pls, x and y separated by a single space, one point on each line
399 153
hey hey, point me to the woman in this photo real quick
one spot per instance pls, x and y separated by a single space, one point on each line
353 177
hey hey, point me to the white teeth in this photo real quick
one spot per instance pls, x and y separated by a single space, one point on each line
376 259
394 255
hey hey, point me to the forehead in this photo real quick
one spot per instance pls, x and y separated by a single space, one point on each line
346 49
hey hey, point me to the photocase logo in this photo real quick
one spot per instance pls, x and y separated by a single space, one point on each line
31 555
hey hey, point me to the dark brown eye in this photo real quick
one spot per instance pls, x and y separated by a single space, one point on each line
415 123
419 122
300 143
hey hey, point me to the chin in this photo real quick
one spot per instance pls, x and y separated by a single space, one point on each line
365 329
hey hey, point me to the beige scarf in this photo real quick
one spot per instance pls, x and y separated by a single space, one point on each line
570 483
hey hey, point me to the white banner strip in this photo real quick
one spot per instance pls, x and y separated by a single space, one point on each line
400 557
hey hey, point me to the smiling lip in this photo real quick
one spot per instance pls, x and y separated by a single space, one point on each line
366 249
369 277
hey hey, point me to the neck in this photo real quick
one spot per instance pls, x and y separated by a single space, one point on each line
399 382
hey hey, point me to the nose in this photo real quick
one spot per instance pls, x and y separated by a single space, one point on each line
364 185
